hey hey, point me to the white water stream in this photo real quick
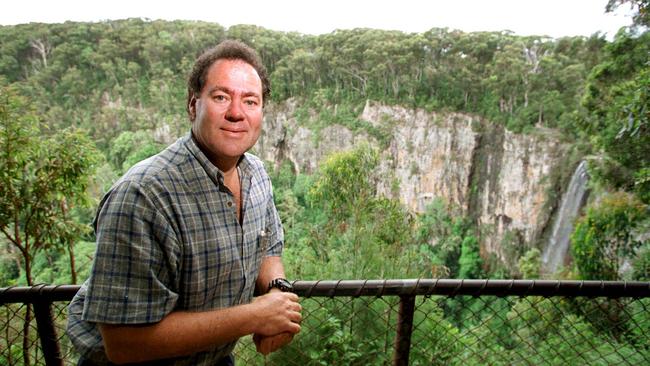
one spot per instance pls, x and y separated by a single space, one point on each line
573 199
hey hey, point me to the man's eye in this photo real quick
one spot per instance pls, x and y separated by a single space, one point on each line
220 98
250 102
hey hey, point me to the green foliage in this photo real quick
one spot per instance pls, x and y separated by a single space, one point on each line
530 263
470 262
289 201
444 238
626 139
42 179
131 147
543 328
343 227
103 76
641 263
344 184
617 99
442 339
343 336
639 322
604 238
9 270
53 266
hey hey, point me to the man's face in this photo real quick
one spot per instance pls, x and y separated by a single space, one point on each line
227 115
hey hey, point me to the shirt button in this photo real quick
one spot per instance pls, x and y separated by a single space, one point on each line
229 204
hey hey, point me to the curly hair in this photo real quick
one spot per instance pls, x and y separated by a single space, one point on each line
229 50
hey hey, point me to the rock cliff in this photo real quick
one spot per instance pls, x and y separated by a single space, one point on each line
499 178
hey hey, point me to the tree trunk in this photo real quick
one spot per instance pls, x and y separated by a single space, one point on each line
511 104
26 342
28 312
28 269
526 97
43 49
9 355
395 87
73 269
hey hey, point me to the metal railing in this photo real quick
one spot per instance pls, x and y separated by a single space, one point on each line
402 322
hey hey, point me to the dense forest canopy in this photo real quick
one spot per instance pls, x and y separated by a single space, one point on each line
138 64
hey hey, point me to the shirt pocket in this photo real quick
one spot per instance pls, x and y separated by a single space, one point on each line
261 245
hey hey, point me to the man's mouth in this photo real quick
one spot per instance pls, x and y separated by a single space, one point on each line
234 130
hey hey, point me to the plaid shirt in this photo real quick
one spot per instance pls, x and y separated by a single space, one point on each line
168 239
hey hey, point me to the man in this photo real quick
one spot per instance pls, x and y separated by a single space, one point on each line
185 237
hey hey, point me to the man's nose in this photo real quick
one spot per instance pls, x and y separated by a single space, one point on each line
234 112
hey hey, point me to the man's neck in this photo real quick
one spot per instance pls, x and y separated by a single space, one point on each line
227 165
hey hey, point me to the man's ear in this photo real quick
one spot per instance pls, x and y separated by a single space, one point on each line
191 107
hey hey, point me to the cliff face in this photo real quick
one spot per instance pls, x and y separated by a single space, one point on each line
514 176
499 178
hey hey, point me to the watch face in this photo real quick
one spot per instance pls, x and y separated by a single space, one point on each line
281 284
285 284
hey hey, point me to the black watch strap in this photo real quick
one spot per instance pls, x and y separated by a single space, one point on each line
281 284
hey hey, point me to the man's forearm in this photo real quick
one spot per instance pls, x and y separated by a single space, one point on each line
270 269
184 333
178 334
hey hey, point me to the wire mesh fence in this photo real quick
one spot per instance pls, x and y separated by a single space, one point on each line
420 322
20 335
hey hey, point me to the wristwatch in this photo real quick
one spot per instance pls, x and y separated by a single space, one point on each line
282 284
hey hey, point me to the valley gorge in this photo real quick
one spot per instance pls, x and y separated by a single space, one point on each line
509 184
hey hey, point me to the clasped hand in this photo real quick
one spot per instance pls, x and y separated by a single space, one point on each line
279 320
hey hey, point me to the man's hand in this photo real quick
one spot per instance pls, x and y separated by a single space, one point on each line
277 312
283 307
269 344
279 302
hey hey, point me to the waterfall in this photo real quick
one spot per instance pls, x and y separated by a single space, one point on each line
573 199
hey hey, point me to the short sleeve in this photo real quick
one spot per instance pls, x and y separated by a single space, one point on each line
134 271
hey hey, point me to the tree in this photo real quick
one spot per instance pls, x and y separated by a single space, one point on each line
605 237
470 262
41 180
616 97
352 229
345 188
530 263
628 140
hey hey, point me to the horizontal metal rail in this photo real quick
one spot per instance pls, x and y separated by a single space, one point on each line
453 287
38 293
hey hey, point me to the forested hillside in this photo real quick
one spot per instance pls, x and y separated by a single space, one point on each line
121 85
